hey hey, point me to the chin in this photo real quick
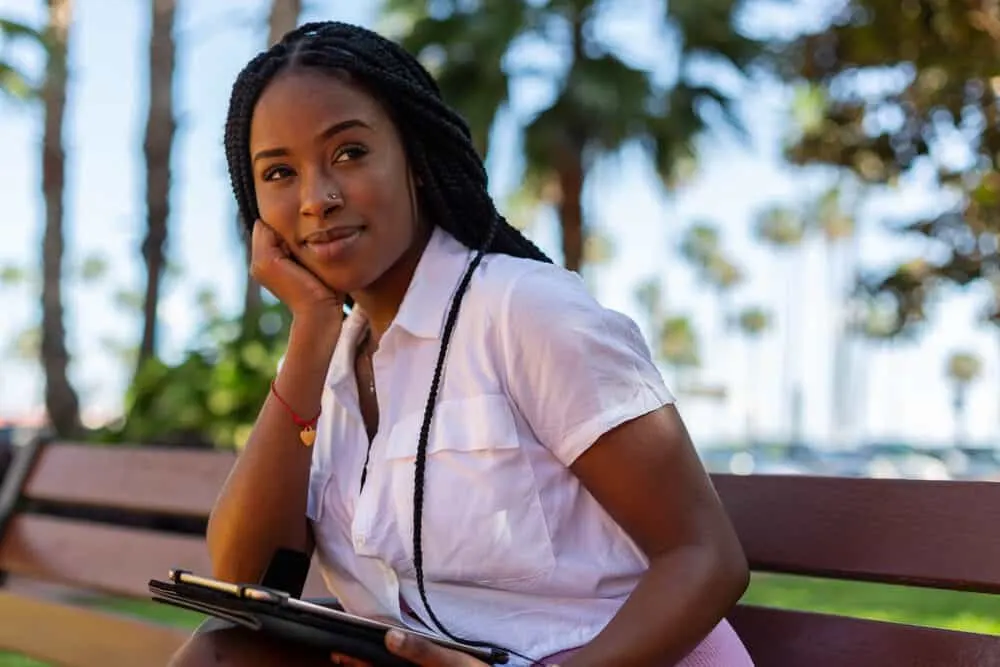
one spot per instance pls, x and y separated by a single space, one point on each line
344 280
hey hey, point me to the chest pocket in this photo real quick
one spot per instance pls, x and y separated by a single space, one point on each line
483 520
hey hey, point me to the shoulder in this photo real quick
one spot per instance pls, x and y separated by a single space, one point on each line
505 286
543 305
573 368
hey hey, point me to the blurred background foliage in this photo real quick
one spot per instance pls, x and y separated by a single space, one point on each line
881 95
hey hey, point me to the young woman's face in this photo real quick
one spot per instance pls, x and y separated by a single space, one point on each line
331 177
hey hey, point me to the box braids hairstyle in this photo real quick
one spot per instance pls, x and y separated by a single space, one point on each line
452 179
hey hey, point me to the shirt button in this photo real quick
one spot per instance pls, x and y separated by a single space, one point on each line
359 541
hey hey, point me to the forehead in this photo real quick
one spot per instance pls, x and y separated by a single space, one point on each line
300 103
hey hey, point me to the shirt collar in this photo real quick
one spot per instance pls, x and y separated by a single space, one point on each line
435 280
425 305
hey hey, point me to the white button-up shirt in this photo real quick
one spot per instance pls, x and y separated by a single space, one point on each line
516 551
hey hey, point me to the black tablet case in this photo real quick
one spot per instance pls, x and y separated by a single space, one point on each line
286 574
277 620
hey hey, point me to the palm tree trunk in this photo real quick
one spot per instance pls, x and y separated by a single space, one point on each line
788 353
840 410
61 401
283 18
571 209
749 397
160 128
958 410
571 173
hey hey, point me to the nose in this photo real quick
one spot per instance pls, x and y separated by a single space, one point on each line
319 199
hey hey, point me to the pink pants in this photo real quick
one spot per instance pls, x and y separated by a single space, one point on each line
721 648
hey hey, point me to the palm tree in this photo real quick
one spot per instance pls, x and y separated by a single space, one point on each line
752 323
602 102
13 82
783 229
876 320
283 17
160 127
836 225
678 347
701 246
61 401
962 370
649 295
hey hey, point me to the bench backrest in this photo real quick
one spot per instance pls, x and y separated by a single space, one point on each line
76 540
102 519
936 534
920 533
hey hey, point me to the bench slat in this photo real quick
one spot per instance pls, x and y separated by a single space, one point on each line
75 637
781 638
938 534
109 559
146 479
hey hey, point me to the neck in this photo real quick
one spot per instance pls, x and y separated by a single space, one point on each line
380 300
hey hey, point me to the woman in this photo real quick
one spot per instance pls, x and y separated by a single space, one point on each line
494 455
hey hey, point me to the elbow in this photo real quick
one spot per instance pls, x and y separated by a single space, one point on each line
738 578
732 572
241 553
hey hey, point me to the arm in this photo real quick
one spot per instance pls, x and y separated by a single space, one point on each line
647 475
590 391
262 505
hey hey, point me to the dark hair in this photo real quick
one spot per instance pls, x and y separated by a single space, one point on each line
453 183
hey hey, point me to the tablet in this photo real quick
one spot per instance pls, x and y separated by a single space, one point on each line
279 614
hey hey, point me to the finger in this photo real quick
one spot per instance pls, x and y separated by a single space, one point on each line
264 245
264 236
269 256
425 653
277 269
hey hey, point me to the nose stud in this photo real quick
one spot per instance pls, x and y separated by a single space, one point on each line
333 196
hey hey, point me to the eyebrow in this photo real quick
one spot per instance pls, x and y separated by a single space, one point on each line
325 135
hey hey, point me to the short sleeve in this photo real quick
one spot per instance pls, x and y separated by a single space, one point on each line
574 369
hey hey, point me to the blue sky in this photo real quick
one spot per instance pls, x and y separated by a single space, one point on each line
900 390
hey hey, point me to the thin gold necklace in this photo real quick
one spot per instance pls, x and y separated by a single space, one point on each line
365 347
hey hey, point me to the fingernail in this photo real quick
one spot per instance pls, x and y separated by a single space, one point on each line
394 638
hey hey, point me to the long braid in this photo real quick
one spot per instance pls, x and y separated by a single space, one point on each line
452 178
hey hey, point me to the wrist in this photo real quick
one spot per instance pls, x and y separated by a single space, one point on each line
316 328
311 342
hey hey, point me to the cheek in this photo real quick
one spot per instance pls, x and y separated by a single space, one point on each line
278 208
383 199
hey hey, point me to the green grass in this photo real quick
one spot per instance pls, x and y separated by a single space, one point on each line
153 611
941 609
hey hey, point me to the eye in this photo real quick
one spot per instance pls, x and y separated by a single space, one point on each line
276 173
349 153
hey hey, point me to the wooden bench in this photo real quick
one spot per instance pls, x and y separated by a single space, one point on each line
78 518
148 506
942 535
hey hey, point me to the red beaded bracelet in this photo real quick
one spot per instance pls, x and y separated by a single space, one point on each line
308 433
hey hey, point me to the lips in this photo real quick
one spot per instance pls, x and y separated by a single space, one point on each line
333 244
330 235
